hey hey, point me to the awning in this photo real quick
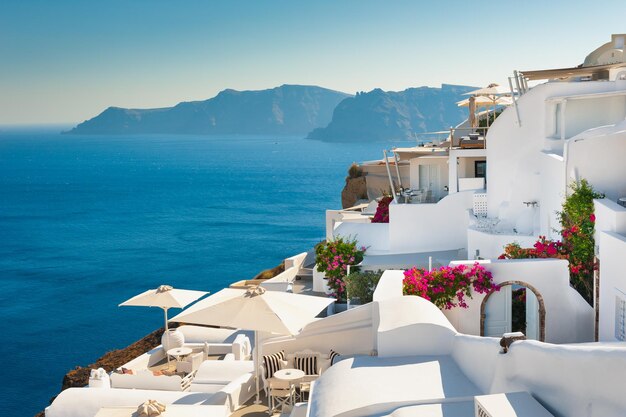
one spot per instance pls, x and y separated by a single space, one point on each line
595 72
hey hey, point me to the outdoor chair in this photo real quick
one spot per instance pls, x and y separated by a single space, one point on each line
280 393
191 363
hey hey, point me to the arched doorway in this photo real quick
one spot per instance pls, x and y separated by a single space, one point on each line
518 306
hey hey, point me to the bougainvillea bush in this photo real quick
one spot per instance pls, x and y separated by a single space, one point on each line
577 245
333 258
382 211
448 286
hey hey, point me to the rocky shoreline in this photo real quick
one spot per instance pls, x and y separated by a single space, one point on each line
79 376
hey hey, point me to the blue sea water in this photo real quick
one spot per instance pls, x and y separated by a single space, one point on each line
87 222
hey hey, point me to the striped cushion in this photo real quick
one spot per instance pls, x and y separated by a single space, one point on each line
271 363
332 356
308 364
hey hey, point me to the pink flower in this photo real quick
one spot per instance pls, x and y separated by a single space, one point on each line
592 218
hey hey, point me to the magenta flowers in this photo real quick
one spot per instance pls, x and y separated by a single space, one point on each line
449 286
333 258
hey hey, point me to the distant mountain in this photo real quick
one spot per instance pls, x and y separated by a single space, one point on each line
288 109
388 115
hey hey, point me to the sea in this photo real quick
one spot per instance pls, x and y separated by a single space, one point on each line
86 222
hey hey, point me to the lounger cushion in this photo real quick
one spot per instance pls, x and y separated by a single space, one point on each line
222 372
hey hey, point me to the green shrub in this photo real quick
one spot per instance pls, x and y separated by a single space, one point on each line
361 285
355 171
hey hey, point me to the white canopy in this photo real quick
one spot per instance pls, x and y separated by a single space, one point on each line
256 309
485 101
165 297
491 90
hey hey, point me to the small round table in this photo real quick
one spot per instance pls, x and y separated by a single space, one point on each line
289 375
178 353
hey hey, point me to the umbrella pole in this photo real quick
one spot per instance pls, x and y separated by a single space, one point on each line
256 367
165 333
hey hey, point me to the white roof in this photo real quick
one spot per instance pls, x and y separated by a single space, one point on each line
365 386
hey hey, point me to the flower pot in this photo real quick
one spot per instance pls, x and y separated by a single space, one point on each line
171 339
339 307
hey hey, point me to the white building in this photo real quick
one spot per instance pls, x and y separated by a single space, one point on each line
570 128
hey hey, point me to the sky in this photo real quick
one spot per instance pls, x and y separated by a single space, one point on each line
66 61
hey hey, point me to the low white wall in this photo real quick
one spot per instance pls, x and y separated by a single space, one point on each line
412 326
430 227
569 318
492 245
471 184
570 381
389 285
374 236
612 284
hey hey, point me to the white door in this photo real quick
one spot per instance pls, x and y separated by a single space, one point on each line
498 313
429 179
532 315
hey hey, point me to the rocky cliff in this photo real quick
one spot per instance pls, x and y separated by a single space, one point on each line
387 115
285 110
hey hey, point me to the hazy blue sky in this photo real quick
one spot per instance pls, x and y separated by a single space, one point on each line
66 61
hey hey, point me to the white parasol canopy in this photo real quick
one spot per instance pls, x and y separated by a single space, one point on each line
492 89
165 297
484 101
258 310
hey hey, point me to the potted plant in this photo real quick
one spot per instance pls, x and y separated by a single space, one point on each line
333 258
360 286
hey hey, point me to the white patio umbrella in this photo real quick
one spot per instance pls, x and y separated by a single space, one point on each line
480 101
492 89
258 310
165 297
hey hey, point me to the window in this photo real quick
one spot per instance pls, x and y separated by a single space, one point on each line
480 169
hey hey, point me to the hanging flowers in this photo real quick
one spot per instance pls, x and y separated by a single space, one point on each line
448 287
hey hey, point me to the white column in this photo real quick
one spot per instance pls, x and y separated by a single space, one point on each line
453 183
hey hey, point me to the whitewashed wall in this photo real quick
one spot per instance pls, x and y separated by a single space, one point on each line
570 381
415 227
513 152
610 217
492 245
610 230
552 193
430 227
411 325
374 236
612 284
569 318
599 157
